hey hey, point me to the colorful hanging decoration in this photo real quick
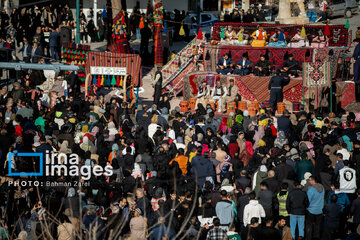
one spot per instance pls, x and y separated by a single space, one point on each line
222 34
141 24
98 84
94 80
108 81
303 32
347 25
200 35
158 15
102 80
182 31
327 30
165 31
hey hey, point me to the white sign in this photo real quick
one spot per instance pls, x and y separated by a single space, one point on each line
118 71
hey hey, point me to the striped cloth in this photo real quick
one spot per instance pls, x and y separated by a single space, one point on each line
105 59
159 59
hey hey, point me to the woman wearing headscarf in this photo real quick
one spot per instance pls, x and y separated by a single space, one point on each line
87 145
247 153
278 39
281 140
64 147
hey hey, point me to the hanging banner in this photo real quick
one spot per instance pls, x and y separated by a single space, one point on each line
117 71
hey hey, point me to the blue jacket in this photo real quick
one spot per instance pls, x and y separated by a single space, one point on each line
225 212
284 124
54 39
332 215
203 167
343 200
316 195
247 62
228 62
28 50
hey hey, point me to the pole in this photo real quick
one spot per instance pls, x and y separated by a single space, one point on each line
331 109
198 14
95 13
77 21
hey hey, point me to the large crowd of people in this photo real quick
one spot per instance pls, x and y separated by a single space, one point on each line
198 174
191 175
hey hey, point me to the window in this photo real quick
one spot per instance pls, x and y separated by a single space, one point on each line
205 18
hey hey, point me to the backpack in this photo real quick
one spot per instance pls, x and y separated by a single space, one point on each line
224 170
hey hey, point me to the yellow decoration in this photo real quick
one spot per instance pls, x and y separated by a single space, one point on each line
182 31
240 38
303 32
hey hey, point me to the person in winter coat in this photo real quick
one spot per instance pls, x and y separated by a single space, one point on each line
182 160
332 212
258 177
355 209
201 168
303 166
342 198
225 211
265 198
138 226
253 209
296 204
316 194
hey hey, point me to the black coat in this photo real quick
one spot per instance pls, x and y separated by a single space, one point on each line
297 202
284 171
273 185
332 215
355 210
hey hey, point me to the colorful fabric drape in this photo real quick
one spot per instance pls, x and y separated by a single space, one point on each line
159 59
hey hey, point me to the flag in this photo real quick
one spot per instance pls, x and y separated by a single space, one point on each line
200 35
182 31
104 13
347 25
327 30
303 32
165 31
222 35
141 25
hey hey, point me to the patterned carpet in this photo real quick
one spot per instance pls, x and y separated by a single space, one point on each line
276 55
251 88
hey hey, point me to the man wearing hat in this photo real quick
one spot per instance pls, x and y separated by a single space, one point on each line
203 94
232 92
291 67
243 67
276 85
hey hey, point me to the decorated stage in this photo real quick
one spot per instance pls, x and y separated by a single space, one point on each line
339 35
276 56
251 88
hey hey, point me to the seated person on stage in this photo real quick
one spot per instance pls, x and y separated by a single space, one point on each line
262 67
218 93
242 38
297 41
224 65
203 94
232 93
278 39
259 37
320 41
243 67
291 67
230 34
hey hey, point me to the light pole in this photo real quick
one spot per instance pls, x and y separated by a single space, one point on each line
77 21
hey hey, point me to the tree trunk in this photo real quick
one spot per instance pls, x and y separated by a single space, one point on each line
116 7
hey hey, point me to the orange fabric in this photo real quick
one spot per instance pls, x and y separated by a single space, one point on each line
260 37
141 25
182 161
110 158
